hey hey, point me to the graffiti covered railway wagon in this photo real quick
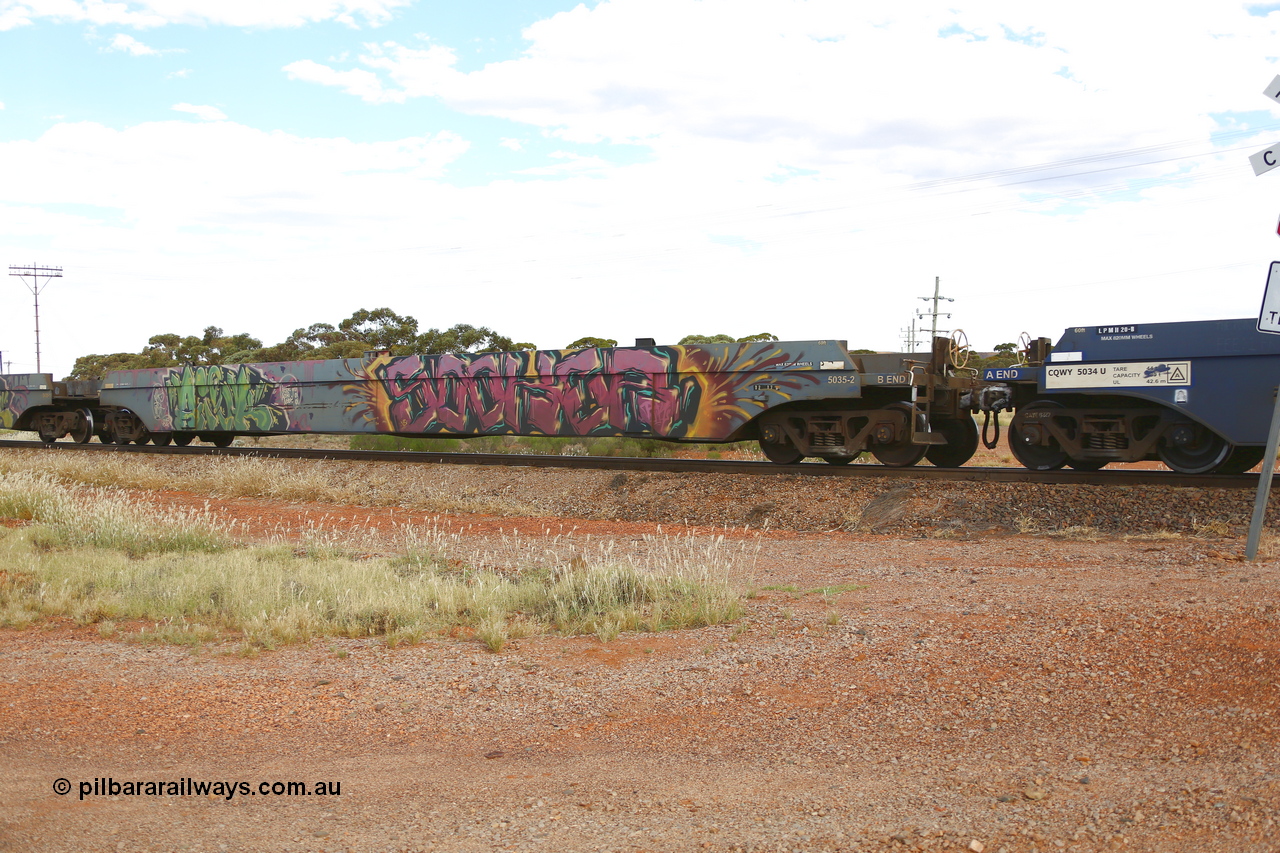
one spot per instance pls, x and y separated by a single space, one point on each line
1196 396
798 399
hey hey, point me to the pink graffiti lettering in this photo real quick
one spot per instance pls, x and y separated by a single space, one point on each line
584 392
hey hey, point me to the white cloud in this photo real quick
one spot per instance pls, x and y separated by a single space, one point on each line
182 210
202 112
363 84
144 14
173 173
570 163
817 83
130 45
13 16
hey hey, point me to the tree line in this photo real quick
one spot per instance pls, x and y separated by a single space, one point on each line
377 329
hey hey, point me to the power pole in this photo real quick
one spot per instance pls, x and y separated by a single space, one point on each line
909 336
935 314
35 287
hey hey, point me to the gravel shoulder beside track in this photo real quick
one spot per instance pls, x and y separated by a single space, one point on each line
779 502
915 676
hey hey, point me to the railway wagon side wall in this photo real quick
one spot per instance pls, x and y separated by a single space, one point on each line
1218 372
692 393
1231 396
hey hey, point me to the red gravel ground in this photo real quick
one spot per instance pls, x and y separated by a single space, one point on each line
983 693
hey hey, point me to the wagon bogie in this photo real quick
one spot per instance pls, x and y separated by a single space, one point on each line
897 434
52 424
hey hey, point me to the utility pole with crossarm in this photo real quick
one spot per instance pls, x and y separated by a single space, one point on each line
935 313
35 287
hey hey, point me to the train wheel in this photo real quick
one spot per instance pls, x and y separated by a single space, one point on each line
182 439
222 440
160 439
962 442
1025 443
1241 459
1194 450
83 429
902 453
782 452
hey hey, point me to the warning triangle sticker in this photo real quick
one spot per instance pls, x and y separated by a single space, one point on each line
1177 374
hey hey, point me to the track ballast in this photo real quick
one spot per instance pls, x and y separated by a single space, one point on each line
1104 477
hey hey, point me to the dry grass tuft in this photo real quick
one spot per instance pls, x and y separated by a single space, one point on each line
273 479
96 557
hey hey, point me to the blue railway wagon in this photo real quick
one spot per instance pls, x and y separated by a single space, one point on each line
1195 395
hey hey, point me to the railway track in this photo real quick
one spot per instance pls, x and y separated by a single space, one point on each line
1105 477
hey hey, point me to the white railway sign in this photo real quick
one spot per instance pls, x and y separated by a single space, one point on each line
1269 316
1265 161
1273 91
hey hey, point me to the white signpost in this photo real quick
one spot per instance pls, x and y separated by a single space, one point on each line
1268 322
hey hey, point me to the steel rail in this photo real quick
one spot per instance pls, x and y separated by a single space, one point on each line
1104 477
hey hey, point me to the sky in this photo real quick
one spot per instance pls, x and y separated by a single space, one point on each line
630 168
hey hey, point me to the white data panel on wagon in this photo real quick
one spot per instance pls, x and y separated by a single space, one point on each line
1131 375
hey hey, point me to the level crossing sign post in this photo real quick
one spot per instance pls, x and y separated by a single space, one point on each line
1268 323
